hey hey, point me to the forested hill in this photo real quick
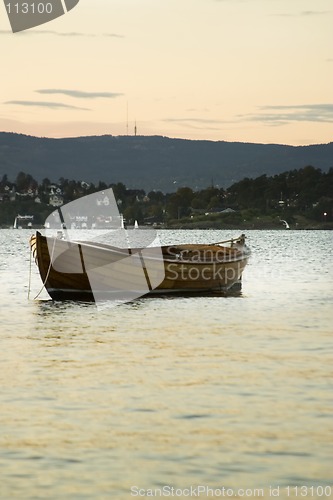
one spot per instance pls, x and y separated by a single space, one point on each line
153 162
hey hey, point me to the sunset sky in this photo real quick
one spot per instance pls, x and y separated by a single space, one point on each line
234 70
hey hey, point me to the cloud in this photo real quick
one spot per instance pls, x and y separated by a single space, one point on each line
43 104
193 120
281 115
314 12
57 33
198 123
305 13
44 32
80 94
67 92
269 115
113 35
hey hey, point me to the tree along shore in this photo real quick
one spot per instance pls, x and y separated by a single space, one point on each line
300 199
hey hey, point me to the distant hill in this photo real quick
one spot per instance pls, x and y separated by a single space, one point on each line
153 162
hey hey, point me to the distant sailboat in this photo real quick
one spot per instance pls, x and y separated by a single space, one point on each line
136 225
286 225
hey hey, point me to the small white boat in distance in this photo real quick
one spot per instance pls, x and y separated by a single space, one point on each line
286 225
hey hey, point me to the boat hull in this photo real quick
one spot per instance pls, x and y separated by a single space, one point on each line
87 271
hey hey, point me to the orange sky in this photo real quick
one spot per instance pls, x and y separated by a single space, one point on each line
234 70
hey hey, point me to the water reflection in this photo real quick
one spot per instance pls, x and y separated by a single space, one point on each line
178 390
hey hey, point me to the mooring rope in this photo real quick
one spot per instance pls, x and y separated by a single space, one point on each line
48 270
30 267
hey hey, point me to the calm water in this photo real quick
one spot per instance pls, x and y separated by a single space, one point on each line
229 392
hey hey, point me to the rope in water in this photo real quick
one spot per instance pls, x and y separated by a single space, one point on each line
30 266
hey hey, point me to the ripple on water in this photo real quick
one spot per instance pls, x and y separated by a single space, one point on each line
181 391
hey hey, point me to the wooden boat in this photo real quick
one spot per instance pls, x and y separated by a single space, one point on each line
89 271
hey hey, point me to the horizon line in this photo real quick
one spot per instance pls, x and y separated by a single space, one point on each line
164 137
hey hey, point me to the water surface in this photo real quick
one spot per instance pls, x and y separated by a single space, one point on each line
220 391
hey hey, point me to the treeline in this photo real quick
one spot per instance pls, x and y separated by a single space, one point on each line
307 192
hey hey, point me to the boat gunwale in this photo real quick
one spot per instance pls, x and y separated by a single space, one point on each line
239 253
